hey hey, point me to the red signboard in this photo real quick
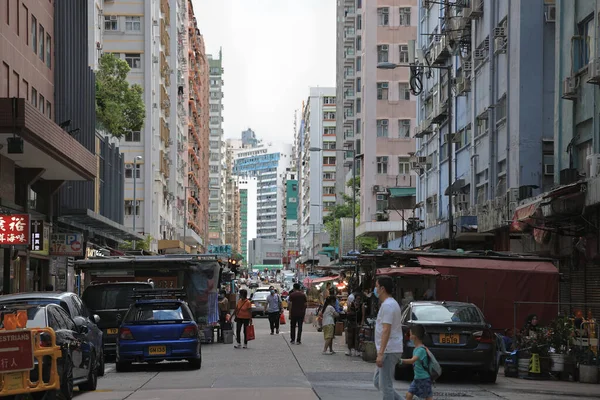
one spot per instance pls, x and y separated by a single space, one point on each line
14 229
293 253
16 351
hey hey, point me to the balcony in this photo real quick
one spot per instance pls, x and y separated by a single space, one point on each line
425 127
440 111
439 50
349 97
349 13
348 137
349 35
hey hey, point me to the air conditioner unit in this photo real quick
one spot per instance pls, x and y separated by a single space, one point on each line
550 13
594 71
467 66
486 44
423 160
549 169
500 44
570 85
377 188
512 195
479 54
500 32
415 165
512 208
461 198
463 85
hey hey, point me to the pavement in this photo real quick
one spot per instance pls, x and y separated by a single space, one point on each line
271 368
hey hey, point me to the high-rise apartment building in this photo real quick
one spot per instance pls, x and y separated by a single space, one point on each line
249 138
267 163
317 169
232 201
289 215
375 109
217 153
248 212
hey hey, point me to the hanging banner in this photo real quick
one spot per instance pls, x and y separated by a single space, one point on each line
14 229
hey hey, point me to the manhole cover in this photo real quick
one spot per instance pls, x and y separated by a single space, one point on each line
451 394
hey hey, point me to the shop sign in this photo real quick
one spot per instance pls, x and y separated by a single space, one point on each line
14 229
293 253
270 254
40 238
66 244
16 352
91 253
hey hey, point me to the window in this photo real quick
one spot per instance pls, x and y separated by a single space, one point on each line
42 35
34 27
358 22
584 43
329 115
382 53
501 110
34 97
111 23
358 85
49 109
404 128
404 16
329 100
329 176
383 16
328 160
358 126
329 145
403 54
328 190
130 209
403 165
42 104
134 60
382 127
133 24
482 125
382 164
358 43
48 51
358 105
133 136
129 171
215 107
382 90
404 90
329 130
358 63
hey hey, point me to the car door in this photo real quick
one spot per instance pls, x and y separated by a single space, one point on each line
95 334
80 347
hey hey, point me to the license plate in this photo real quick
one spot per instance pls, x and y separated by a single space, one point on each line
449 338
112 331
13 381
157 350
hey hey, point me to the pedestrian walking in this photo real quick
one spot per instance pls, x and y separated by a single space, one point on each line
329 315
354 320
388 338
421 385
274 310
223 311
297 302
243 317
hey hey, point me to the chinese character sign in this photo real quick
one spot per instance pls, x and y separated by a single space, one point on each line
14 229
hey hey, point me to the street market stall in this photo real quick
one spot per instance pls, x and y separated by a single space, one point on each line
412 283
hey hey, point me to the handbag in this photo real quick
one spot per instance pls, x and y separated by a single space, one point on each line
281 319
250 332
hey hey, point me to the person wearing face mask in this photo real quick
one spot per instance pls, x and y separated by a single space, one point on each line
388 338
274 310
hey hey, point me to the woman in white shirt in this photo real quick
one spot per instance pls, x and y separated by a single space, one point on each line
328 315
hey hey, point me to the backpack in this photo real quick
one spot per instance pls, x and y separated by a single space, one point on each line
433 366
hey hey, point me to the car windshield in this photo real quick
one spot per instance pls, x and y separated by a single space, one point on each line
443 313
110 297
157 312
36 317
260 296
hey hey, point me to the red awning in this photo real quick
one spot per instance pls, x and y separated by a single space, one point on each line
524 215
414 271
538 266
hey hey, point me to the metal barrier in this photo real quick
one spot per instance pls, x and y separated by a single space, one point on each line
19 382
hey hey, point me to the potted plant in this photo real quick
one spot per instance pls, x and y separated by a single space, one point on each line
560 333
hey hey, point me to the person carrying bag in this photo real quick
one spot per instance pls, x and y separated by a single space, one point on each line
243 318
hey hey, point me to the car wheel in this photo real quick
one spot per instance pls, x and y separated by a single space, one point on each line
195 363
92 381
488 376
101 365
66 379
122 366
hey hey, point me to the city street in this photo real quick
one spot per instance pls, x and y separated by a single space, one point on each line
273 369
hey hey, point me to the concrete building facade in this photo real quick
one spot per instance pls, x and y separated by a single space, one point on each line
248 187
217 171
376 111
263 251
267 163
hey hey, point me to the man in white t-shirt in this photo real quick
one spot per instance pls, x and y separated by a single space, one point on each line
388 338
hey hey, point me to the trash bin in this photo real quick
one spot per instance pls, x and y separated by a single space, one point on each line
228 336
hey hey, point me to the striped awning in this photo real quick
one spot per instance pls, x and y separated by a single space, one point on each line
525 214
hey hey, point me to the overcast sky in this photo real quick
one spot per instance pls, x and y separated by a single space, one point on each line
273 52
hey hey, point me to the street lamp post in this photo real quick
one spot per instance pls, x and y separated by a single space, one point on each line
353 189
135 160
448 68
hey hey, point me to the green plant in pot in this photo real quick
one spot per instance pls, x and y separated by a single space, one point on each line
560 334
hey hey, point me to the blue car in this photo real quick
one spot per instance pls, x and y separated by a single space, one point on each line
156 330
